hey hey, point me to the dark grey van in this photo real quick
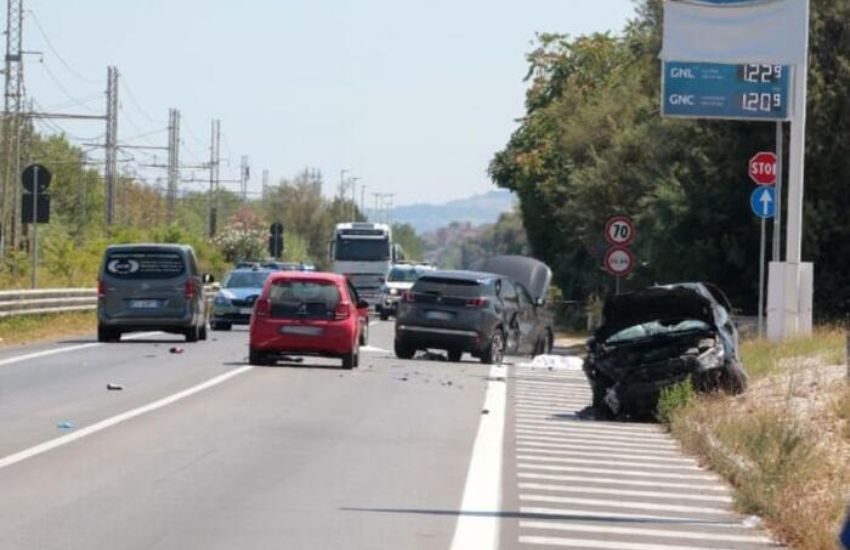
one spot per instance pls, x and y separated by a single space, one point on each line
150 287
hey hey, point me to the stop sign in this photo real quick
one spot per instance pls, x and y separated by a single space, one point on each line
762 168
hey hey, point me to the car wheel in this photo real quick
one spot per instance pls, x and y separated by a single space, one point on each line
192 334
734 379
257 357
106 334
402 350
349 360
364 334
202 335
494 353
455 355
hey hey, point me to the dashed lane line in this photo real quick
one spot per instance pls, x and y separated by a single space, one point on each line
589 490
641 531
628 505
620 482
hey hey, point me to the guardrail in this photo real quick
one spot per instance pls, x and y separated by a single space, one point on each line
58 300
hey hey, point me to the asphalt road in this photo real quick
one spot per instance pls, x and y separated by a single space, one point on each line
294 456
199 450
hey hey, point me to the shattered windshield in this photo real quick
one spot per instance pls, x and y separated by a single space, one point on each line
657 328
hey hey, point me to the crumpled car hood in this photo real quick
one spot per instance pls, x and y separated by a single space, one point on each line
653 304
533 274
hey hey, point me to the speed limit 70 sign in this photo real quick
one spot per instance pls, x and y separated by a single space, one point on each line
620 231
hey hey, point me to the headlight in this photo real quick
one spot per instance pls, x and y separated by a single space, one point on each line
393 292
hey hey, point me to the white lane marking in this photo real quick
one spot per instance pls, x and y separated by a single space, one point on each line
373 349
523 389
550 399
573 514
534 435
564 434
585 489
117 419
623 463
642 531
482 492
578 426
602 455
529 442
604 544
625 482
612 472
66 349
630 504
550 407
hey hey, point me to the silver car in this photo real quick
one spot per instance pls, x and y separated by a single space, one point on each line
150 287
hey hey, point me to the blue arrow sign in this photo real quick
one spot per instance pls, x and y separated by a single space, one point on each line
763 202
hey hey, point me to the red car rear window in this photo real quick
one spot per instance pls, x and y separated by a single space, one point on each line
303 299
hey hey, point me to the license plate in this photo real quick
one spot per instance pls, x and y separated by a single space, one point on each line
245 311
144 304
301 331
439 315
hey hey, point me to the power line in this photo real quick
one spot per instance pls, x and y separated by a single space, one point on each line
63 89
55 51
135 102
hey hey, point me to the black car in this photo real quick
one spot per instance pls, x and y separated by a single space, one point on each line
484 314
660 336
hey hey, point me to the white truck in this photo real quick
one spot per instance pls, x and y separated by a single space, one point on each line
363 252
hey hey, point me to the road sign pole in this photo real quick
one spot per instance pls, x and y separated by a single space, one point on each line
617 285
762 254
35 229
777 219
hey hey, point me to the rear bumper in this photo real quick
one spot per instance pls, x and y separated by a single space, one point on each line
335 340
232 318
129 322
439 338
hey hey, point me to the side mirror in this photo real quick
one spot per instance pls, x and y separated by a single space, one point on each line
362 304
207 278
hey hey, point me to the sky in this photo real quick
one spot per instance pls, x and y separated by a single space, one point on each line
411 98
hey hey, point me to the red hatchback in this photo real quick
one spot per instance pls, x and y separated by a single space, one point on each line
307 313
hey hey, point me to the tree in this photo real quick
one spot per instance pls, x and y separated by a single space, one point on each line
411 243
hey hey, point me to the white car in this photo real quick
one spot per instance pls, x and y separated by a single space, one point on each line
400 279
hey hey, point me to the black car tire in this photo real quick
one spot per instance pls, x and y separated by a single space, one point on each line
350 360
257 357
192 333
455 355
402 350
734 378
202 334
106 334
364 334
495 350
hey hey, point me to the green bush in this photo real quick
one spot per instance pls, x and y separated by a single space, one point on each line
674 398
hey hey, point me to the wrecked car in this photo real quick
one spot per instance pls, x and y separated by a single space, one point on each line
658 337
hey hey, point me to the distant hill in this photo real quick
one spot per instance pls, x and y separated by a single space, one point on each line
477 210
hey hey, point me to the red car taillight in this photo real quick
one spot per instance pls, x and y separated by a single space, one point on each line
343 311
477 302
101 289
262 308
190 289
408 297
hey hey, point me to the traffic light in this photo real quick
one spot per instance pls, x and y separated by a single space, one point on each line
276 240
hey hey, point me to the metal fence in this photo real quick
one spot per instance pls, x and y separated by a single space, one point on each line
58 300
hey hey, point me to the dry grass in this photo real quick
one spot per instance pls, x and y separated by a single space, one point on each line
25 329
785 444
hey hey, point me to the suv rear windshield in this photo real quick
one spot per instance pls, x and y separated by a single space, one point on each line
145 264
456 288
303 299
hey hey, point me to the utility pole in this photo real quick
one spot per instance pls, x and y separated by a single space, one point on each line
363 201
353 198
375 211
215 143
173 164
111 153
12 124
245 175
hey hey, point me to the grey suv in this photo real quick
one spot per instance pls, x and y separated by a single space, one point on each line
150 287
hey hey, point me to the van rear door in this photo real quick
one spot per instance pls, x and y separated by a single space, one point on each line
147 283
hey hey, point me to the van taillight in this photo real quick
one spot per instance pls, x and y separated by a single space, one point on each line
342 311
190 289
262 307
477 302
101 289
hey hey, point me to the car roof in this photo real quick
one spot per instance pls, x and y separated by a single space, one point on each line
307 276
131 246
477 276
